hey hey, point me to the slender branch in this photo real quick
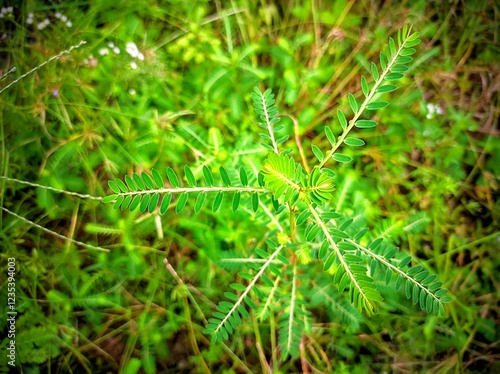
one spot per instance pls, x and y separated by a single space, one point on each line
394 268
292 309
196 189
55 233
338 253
68 51
82 196
269 126
249 287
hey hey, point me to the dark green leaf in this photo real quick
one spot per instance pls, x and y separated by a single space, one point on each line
153 202
412 43
353 103
399 69
189 176
120 185
302 217
323 249
354 142
130 183
208 175
165 203
243 177
224 176
255 202
147 180
172 177
365 123
144 203
340 157
364 86
413 36
375 74
342 119
109 199
408 52
377 105
329 135
157 178
317 152
181 202
415 294
236 200
383 61
250 303
200 200
386 88
329 261
281 140
393 76
138 181
217 201
135 202
392 46
403 60
126 202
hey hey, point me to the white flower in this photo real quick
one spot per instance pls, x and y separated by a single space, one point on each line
116 50
103 51
69 24
132 49
433 109
57 15
64 18
133 65
111 45
140 56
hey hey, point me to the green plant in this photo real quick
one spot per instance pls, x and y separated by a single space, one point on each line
295 203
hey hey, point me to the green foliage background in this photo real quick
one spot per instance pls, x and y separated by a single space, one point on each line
432 162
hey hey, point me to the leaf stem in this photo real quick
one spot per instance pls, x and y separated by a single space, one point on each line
195 189
268 122
249 287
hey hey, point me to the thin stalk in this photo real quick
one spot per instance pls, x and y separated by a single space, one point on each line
68 51
55 233
82 196
195 189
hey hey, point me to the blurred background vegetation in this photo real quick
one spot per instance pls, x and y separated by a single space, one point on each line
168 83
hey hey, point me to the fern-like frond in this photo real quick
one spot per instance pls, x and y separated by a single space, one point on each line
227 317
283 177
351 270
291 322
338 308
320 186
268 113
393 63
420 285
147 192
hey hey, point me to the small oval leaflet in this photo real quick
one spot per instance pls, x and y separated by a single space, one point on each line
393 76
354 142
365 124
340 157
377 105
317 152
157 178
386 88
